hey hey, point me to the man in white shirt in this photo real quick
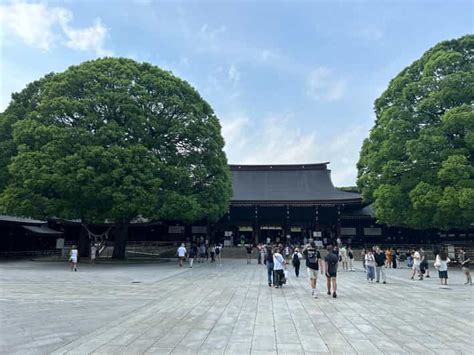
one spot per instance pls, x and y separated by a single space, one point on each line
181 254
278 267
416 264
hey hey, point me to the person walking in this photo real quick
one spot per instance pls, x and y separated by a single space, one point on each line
441 263
313 265
416 264
73 257
193 250
424 267
379 265
370 264
270 265
295 260
343 257
388 258
331 261
249 249
218 251
350 255
465 261
278 267
93 253
181 254
363 253
202 252
213 253
393 253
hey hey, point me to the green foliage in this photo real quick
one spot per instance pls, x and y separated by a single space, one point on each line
112 139
417 163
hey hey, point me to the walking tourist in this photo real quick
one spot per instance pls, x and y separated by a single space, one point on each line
441 263
424 269
249 253
388 258
93 253
202 252
213 252
416 264
331 261
218 251
73 256
409 255
465 264
181 254
350 255
343 257
313 265
363 253
295 260
278 267
287 253
394 258
269 263
379 265
192 254
370 264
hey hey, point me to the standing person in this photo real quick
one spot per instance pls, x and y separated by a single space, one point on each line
181 254
287 253
259 253
249 253
192 254
416 264
295 260
399 258
409 256
370 264
363 253
331 260
424 268
379 265
93 253
350 255
218 254
394 258
269 263
73 256
278 267
441 263
343 257
465 263
313 264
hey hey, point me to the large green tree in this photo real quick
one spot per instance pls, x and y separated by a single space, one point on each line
112 139
417 163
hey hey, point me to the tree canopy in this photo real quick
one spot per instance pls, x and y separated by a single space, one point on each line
417 163
112 139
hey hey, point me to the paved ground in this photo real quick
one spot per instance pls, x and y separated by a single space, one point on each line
160 309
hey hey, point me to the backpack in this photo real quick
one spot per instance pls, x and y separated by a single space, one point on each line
218 250
296 259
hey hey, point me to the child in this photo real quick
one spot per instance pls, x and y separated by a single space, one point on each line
73 256
441 263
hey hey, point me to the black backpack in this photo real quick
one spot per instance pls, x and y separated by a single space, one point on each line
296 259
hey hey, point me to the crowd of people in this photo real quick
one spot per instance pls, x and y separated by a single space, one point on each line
200 251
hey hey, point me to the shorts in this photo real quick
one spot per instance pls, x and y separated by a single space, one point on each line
313 274
443 274
331 274
416 267
202 255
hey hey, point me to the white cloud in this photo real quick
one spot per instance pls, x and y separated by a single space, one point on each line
323 84
233 74
278 142
43 27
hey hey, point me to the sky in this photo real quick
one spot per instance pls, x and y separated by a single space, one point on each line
291 81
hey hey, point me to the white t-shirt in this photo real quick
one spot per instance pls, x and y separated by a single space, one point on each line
416 259
93 251
181 252
370 260
278 262
443 264
74 255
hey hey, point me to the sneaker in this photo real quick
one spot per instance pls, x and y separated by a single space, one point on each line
312 292
427 276
315 295
329 293
269 284
411 278
377 281
385 282
334 295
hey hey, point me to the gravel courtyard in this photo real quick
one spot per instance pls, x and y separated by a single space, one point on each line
161 309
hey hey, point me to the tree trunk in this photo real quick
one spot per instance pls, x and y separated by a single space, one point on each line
83 243
121 237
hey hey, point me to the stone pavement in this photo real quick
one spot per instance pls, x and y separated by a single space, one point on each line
160 309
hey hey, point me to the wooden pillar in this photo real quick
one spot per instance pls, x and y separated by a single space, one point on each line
256 231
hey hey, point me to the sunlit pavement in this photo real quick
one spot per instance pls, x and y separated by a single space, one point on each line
160 309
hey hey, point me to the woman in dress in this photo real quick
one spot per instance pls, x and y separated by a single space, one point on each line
73 256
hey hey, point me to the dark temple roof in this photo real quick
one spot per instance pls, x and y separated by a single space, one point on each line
287 184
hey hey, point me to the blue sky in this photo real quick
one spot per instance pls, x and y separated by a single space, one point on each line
292 82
